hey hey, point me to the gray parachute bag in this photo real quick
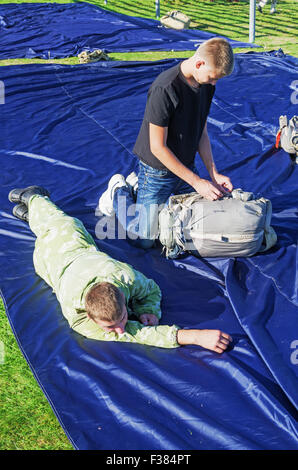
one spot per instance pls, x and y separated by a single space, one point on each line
238 224
287 136
175 19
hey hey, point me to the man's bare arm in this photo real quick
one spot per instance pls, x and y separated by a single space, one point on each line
158 138
221 181
205 152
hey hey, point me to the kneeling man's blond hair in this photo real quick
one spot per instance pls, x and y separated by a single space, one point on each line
218 53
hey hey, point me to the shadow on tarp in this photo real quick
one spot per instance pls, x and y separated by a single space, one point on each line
70 128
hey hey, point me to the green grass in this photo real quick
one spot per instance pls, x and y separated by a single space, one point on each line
26 419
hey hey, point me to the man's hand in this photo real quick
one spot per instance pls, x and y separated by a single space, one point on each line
149 319
207 189
223 182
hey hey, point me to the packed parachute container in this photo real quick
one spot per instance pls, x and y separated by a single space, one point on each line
287 136
238 224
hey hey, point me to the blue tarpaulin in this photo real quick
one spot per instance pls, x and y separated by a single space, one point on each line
69 128
61 30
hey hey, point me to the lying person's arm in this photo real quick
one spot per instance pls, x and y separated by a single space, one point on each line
145 296
162 336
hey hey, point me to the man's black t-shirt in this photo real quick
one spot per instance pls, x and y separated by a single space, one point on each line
173 103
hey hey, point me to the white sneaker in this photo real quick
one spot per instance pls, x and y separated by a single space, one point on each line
105 203
273 10
132 180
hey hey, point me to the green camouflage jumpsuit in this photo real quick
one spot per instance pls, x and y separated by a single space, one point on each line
67 258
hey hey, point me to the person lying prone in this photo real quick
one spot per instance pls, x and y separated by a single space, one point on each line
98 293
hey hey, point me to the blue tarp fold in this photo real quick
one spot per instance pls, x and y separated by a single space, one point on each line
70 128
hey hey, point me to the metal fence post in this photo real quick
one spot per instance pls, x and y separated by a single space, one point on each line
2 92
157 9
252 20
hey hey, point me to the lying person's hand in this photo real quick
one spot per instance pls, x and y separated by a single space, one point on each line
148 319
215 340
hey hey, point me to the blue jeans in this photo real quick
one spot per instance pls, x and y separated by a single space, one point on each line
138 214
